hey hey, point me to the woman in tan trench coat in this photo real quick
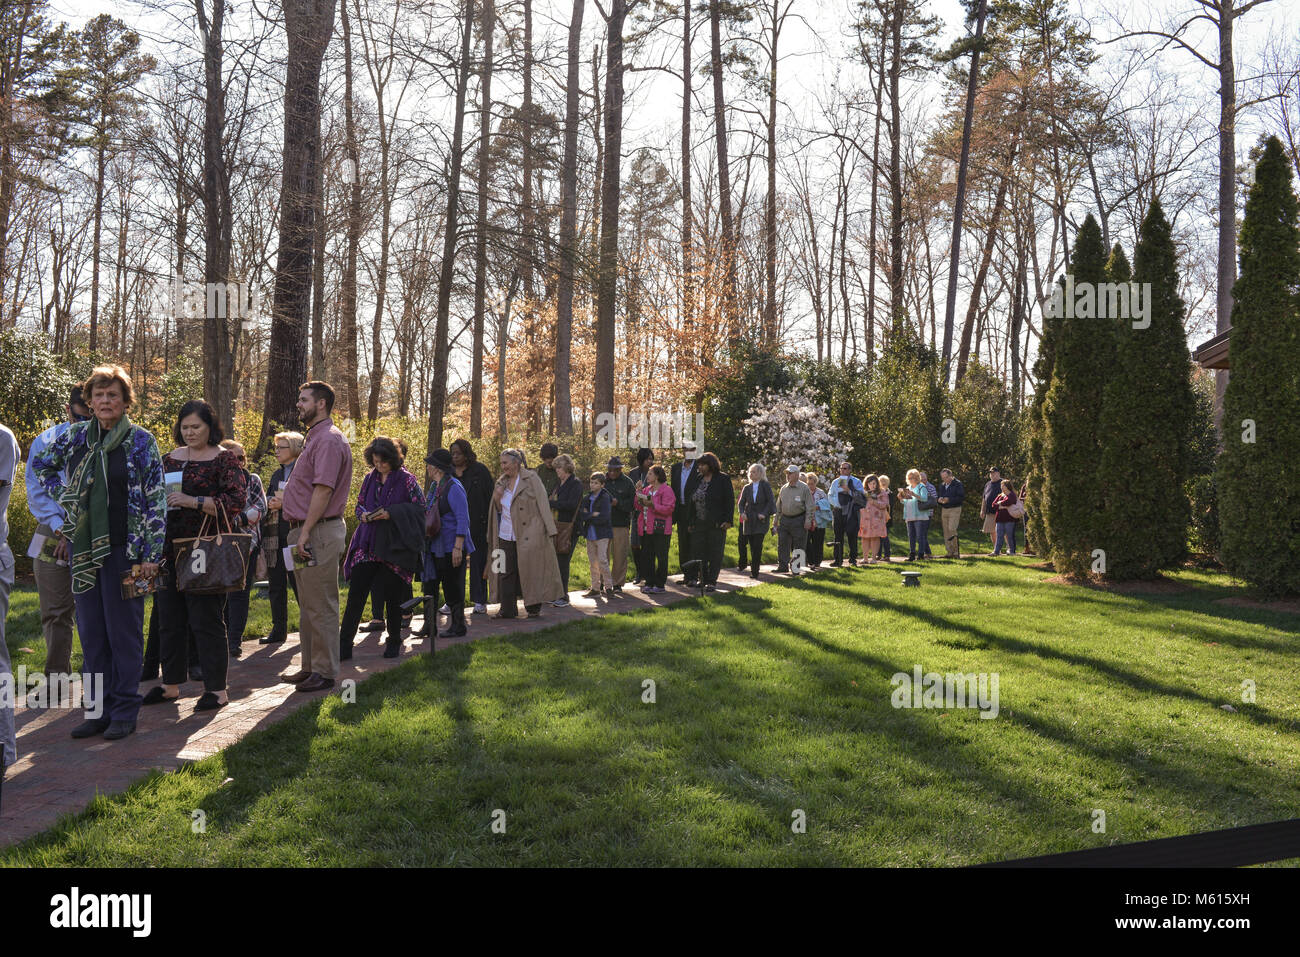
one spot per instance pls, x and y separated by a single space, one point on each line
521 533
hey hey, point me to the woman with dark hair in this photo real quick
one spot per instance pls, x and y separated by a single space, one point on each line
235 609
377 616
654 504
375 556
640 476
476 478
711 510
448 547
212 483
115 505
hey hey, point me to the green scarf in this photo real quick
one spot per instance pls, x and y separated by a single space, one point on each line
85 504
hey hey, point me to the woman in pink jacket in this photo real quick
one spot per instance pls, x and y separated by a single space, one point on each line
872 528
654 506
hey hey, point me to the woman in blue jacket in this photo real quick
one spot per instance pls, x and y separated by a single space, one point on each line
449 546
594 519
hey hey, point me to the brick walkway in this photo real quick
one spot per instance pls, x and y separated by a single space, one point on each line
57 775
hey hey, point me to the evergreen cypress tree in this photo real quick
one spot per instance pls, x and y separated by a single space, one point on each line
1259 499
1035 527
1117 268
1085 349
1147 404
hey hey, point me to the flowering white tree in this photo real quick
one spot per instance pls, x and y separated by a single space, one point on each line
792 428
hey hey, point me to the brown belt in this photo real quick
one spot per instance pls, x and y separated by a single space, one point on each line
332 518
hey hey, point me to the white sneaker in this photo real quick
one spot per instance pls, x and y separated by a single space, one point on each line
445 610
480 609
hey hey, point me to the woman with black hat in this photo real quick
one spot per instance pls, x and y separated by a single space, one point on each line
450 542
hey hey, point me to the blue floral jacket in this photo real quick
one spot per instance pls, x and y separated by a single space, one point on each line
146 492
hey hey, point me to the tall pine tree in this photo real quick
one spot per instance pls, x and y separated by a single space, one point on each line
1085 348
1145 410
1259 500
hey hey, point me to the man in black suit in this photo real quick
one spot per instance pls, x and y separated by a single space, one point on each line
684 480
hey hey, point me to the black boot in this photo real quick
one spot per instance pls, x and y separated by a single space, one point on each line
393 646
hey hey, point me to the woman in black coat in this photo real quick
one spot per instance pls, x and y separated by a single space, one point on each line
757 506
565 499
709 514
478 482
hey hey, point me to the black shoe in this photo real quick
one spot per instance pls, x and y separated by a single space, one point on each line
236 652
372 626
156 695
454 633
345 652
754 575
208 702
392 648
270 639
710 588
423 631
118 730
89 728
836 564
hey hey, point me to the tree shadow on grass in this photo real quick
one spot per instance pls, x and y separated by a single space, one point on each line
1017 646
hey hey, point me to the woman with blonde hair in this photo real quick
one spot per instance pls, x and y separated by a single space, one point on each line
886 494
521 526
757 505
913 497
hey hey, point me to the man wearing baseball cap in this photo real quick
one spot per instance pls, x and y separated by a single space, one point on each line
795 514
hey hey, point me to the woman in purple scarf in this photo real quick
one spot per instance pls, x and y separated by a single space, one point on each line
387 484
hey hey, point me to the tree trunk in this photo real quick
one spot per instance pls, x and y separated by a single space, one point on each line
769 225
724 177
607 278
481 226
688 267
895 170
218 360
348 293
1227 271
568 230
986 257
959 204
309 25
441 346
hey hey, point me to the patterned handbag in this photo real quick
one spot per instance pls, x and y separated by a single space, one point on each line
212 564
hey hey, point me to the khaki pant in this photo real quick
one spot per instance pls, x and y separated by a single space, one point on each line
58 614
619 546
318 598
598 562
951 518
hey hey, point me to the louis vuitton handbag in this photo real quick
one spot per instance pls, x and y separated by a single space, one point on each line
212 564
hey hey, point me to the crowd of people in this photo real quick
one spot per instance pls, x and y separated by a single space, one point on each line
119 515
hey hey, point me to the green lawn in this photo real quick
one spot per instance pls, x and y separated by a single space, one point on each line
767 701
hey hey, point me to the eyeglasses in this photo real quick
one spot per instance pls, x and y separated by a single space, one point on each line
282 448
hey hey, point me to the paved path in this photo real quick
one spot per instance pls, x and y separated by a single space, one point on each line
56 774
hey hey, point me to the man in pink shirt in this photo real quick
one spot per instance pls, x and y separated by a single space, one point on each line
313 502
